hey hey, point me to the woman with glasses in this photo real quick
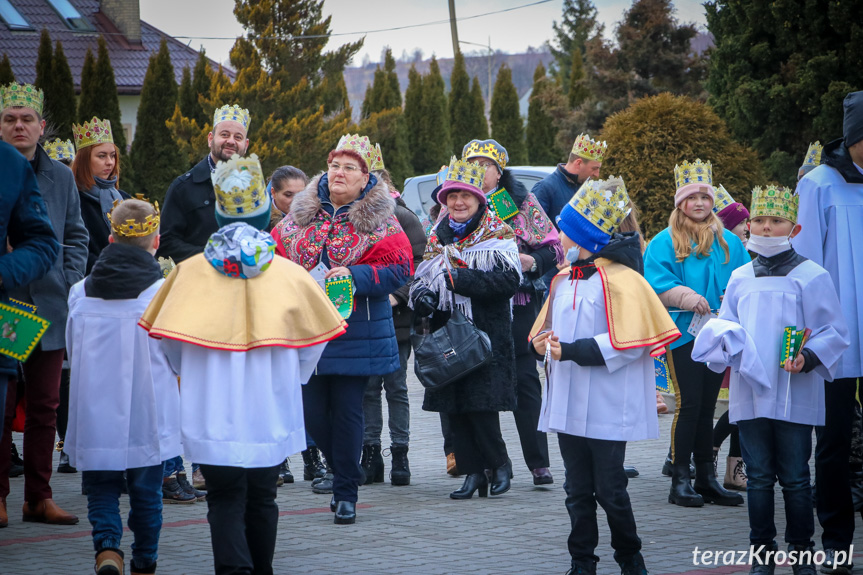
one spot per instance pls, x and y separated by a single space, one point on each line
342 226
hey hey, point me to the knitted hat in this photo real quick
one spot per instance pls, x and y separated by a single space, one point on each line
486 149
463 175
852 125
730 212
594 213
774 201
240 192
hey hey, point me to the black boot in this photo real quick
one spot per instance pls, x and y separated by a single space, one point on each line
582 568
764 561
666 467
313 467
16 464
285 474
681 491
346 513
400 474
372 463
323 484
709 488
632 565
804 564
471 483
500 477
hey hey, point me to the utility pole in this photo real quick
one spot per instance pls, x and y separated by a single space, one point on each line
453 27
490 57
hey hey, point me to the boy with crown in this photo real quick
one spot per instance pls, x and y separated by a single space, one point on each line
242 353
188 217
584 162
781 330
124 404
598 332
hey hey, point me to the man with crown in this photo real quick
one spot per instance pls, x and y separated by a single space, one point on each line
21 124
831 210
188 218
584 162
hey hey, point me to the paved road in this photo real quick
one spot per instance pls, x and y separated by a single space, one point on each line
415 529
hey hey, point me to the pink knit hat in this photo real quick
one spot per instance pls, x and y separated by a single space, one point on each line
689 189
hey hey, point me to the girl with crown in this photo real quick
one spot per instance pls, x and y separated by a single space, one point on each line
688 264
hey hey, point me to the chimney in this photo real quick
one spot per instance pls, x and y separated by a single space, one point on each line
126 16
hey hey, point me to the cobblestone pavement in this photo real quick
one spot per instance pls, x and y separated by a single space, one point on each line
415 529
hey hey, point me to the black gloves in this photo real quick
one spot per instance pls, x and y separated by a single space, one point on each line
451 276
425 302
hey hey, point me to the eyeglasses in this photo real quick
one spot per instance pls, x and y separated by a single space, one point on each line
486 164
347 169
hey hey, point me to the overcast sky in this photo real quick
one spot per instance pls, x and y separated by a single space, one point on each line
211 23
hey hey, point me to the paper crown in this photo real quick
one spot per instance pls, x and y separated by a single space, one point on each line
60 149
588 148
774 201
723 199
813 155
23 95
232 112
377 160
462 175
132 229
90 133
486 149
604 208
697 172
239 186
359 145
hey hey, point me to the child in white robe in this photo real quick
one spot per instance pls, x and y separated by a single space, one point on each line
774 403
124 405
601 379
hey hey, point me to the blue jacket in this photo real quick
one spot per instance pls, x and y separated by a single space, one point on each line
25 225
554 191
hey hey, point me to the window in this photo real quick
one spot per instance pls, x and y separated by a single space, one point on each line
12 18
70 15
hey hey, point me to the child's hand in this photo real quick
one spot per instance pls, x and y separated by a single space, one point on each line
554 344
540 341
795 366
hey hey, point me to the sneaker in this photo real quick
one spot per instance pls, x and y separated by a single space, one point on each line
198 481
833 567
173 492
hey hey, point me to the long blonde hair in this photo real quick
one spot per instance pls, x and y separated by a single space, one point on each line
685 231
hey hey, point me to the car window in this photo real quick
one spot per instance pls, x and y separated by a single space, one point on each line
528 181
425 189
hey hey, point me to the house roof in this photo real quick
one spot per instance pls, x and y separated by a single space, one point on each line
129 61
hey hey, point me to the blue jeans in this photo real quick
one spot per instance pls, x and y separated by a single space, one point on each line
778 449
175 465
145 510
395 385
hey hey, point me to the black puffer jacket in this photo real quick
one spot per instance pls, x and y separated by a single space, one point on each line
410 223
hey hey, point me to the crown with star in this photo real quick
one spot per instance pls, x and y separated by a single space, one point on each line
604 203
60 149
697 172
232 112
239 186
588 148
774 201
90 133
134 229
22 95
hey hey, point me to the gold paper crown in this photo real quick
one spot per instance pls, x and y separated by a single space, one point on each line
378 160
588 148
774 201
23 95
60 149
486 149
813 155
464 172
359 145
94 132
604 208
239 186
697 172
132 229
723 199
232 112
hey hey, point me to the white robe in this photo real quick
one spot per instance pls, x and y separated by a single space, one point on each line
242 409
764 307
831 215
613 402
124 405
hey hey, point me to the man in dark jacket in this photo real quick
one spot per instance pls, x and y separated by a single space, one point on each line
21 125
24 224
188 217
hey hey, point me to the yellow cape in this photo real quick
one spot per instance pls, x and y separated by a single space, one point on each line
283 307
636 317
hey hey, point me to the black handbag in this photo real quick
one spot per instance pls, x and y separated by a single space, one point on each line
450 352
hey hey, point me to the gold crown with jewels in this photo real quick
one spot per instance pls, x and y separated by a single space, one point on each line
588 148
239 186
813 154
60 149
377 160
604 203
90 133
232 112
486 149
359 145
697 172
132 229
22 95
723 199
774 201
462 171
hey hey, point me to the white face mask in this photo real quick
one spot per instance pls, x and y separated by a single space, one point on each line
572 254
768 246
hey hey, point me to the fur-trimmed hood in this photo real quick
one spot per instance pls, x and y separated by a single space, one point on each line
374 206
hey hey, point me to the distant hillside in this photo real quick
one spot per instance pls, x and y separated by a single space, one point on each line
522 65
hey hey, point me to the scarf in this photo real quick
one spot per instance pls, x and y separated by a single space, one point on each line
240 251
106 192
490 245
122 271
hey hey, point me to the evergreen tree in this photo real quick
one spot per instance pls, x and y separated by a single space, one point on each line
478 121
366 109
391 94
44 62
460 106
60 101
6 75
540 126
778 76
187 99
201 81
108 104
579 24
577 92
388 129
154 154
506 124
88 103
435 146
413 117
